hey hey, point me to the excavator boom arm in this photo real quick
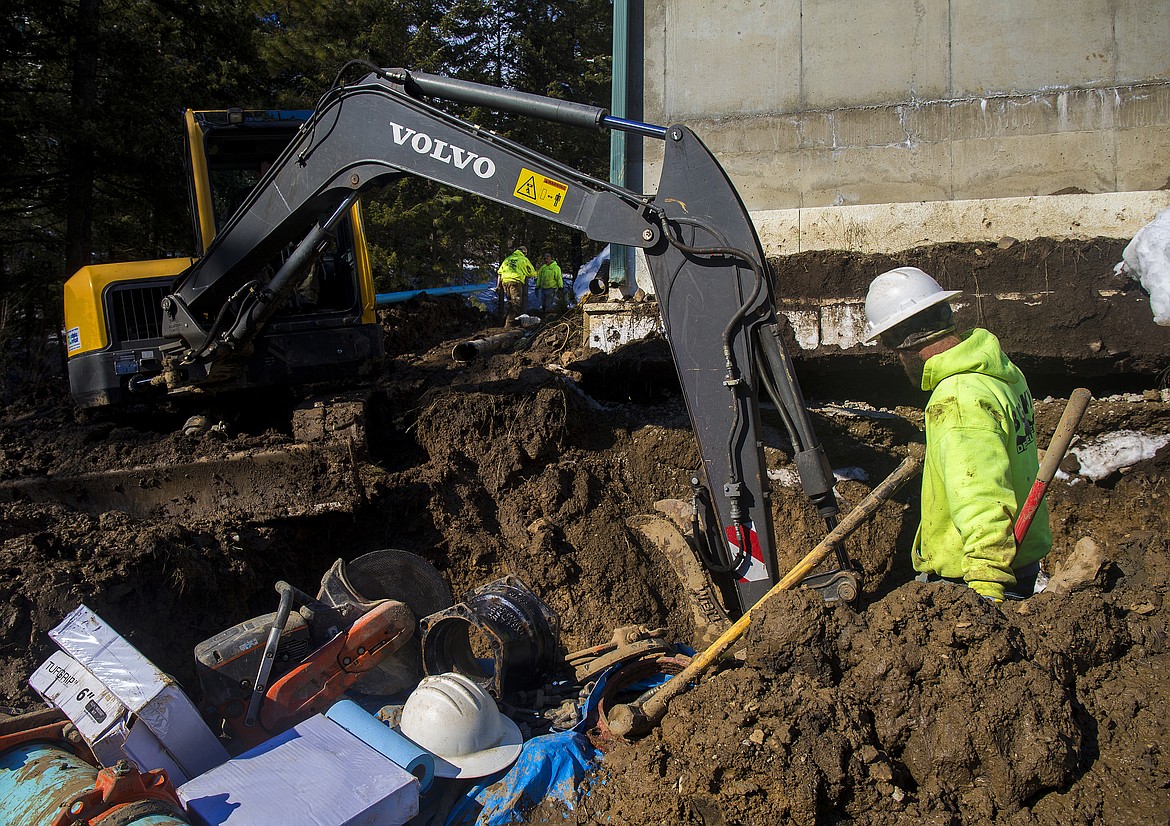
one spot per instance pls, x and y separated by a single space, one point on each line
364 136
709 272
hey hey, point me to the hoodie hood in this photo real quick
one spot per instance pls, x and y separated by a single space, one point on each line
978 352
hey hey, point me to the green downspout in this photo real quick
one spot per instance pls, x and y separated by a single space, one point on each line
618 107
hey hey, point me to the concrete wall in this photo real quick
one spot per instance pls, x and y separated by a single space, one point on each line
889 228
822 103
878 127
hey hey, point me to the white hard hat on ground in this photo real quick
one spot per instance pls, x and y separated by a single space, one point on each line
899 294
456 720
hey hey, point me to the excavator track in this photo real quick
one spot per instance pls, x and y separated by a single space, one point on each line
318 473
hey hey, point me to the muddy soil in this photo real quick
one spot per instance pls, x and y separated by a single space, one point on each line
919 704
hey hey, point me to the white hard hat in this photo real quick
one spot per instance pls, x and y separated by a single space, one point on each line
456 720
897 295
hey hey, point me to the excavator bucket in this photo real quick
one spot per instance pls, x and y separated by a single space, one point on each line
665 532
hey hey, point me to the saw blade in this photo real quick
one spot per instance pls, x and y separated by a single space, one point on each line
402 576
408 578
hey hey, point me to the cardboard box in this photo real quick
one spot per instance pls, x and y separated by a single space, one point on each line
65 683
122 705
314 774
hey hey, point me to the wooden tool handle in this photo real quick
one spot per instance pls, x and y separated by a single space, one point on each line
625 720
1066 428
1078 403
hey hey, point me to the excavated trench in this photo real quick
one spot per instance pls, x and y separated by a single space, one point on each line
1060 310
643 373
919 704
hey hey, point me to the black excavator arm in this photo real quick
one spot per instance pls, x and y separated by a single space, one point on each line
709 272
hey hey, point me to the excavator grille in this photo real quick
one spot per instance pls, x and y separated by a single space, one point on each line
137 312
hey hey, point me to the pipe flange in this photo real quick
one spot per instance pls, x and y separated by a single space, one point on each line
504 622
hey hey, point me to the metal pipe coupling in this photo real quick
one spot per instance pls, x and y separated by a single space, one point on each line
502 637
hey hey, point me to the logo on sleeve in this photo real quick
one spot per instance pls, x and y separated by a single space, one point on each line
1024 422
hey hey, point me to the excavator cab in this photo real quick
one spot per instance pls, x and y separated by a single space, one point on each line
325 331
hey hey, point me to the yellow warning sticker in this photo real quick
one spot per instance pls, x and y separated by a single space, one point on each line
545 193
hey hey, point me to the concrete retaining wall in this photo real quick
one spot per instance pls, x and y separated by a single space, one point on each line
812 103
897 132
888 228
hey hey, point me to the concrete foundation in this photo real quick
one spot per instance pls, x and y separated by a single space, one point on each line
1058 307
1009 149
812 103
889 228
611 324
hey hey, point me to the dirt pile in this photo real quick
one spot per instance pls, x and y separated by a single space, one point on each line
924 703
930 705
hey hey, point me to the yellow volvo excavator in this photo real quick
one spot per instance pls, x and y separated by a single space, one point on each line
321 337
243 314
325 330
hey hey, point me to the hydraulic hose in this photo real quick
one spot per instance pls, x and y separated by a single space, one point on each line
816 475
733 380
713 558
774 394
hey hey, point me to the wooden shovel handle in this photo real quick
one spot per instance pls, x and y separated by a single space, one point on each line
630 720
1078 403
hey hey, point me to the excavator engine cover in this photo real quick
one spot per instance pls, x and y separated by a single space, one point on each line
520 634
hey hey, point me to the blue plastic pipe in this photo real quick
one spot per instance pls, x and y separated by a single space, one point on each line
382 299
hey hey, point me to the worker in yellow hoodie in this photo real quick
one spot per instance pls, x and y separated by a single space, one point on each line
549 284
981 456
512 283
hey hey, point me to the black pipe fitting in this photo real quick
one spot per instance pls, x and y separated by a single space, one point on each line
503 621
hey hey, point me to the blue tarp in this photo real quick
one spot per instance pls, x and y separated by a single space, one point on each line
551 766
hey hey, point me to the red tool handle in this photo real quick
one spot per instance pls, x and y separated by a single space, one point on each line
1078 402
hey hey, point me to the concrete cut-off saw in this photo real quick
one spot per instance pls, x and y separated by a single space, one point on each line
266 674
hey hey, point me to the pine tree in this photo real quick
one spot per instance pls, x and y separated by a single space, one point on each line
92 93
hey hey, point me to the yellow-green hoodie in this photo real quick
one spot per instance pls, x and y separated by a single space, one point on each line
548 277
516 269
980 464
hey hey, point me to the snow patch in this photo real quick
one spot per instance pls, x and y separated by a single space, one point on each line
786 476
855 474
789 477
1108 453
1147 256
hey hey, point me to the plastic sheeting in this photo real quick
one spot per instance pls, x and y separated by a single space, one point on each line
1147 257
551 766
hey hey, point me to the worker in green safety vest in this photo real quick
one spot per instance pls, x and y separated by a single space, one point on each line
549 284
